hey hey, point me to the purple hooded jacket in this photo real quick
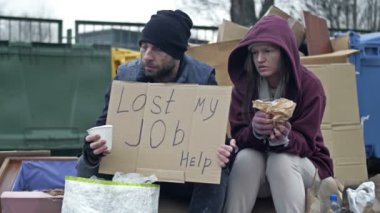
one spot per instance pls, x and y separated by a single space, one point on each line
305 89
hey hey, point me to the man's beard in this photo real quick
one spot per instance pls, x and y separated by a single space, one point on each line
166 71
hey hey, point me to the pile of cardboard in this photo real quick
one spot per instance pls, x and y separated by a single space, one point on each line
341 127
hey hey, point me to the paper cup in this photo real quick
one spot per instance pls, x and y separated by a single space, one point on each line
105 133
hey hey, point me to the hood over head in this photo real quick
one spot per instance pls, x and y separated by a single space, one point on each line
272 29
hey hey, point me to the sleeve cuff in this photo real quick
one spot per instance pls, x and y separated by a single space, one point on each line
260 137
284 142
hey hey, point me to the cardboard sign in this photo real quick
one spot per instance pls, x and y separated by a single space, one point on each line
172 131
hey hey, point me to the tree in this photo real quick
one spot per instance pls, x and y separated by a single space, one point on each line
211 10
341 14
347 14
243 12
369 17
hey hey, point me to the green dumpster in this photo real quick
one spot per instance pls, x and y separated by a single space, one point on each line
50 94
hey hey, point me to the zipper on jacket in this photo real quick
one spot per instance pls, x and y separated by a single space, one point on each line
266 144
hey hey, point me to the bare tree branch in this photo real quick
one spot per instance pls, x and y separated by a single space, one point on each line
207 9
242 12
347 13
265 6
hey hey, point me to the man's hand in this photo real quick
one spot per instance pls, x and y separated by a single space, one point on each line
97 146
225 151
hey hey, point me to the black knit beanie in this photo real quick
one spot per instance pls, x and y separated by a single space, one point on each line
169 30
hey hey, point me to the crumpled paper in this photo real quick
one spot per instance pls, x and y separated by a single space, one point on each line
281 109
361 197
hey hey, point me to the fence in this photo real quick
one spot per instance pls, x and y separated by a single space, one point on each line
21 29
123 34
117 34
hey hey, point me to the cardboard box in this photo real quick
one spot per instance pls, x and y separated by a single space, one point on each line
340 56
341 42
30 202
21 153
339 83
297 27
11 178
346 146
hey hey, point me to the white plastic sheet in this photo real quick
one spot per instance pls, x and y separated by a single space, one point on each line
100 196
359 198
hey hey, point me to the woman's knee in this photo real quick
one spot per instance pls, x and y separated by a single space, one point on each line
249 160
280 164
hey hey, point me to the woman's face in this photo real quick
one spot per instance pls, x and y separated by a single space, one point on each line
267 58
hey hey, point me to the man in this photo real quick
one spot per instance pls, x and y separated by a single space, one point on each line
162 46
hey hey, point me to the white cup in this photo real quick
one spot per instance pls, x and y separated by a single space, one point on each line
105 133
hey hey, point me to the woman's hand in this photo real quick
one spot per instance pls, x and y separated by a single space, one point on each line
281 131
262 124
225 151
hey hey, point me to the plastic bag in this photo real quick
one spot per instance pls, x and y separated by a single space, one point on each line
361 197
101 196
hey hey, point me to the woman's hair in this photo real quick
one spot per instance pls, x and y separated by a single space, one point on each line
252 92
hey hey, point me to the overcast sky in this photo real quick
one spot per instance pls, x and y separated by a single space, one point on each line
92 10
108 10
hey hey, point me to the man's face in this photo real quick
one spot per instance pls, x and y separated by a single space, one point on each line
156 63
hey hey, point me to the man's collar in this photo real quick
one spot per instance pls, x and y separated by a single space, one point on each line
181 74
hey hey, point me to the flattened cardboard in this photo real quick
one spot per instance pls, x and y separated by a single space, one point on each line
128 104
202 156
339 83
317 34
348 172
346 146
340 56
341 42
297 27
229 31
215 55
167 129
172 137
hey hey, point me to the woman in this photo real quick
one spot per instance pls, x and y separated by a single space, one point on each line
278 160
